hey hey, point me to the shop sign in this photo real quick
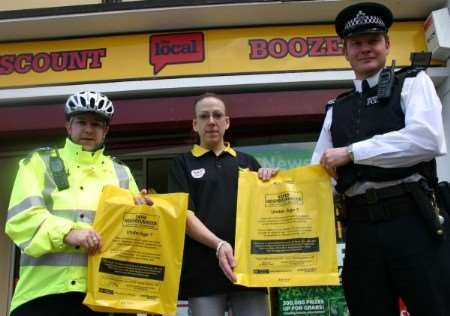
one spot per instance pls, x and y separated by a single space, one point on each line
216 52
296 47
55 61
180 48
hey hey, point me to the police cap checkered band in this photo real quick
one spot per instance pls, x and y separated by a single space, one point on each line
367 17
362 19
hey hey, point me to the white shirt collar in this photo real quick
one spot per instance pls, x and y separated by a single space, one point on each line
372 80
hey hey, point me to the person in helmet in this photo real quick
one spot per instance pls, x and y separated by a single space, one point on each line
87 119
52 208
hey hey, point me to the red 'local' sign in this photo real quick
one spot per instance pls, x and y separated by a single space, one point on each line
178 48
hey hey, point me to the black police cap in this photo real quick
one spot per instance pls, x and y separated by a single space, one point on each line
361 18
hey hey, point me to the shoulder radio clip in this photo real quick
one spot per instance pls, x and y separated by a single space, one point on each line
386 82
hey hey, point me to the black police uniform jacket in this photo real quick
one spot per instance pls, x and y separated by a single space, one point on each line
360 116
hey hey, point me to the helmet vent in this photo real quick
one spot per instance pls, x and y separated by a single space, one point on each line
71 104
83 102
92 103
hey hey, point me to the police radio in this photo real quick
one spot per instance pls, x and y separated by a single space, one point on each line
386 82
58 172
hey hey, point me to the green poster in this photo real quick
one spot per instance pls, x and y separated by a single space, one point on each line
282 156
318 301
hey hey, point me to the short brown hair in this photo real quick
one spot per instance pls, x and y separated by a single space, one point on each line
204 96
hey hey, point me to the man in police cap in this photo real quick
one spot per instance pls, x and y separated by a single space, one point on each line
379 141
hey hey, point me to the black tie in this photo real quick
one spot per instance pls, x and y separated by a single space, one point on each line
365 87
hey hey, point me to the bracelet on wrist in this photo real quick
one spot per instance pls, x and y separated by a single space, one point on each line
219 246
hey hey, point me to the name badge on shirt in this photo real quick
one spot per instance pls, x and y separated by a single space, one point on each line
198 173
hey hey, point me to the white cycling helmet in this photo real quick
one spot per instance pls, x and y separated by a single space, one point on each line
89 101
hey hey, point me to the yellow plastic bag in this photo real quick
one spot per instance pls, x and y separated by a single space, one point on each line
138 269
285 231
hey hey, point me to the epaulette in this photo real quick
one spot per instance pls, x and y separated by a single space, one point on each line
329 104
117 160
346 93
409 71
46 150
333 101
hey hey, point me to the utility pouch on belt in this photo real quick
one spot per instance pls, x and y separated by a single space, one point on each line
425 198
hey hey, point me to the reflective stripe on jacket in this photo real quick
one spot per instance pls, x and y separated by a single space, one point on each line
40 215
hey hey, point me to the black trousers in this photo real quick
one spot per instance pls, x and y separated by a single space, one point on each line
67 304
396 258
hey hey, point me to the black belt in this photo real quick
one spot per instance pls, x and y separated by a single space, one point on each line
382 204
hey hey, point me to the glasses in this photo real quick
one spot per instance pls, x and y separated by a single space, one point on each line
205 116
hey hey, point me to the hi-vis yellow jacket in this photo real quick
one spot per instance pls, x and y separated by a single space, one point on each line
40 215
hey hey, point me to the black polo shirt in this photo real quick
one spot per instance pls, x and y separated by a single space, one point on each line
211 182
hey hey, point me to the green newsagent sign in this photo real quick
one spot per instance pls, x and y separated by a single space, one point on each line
282 156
